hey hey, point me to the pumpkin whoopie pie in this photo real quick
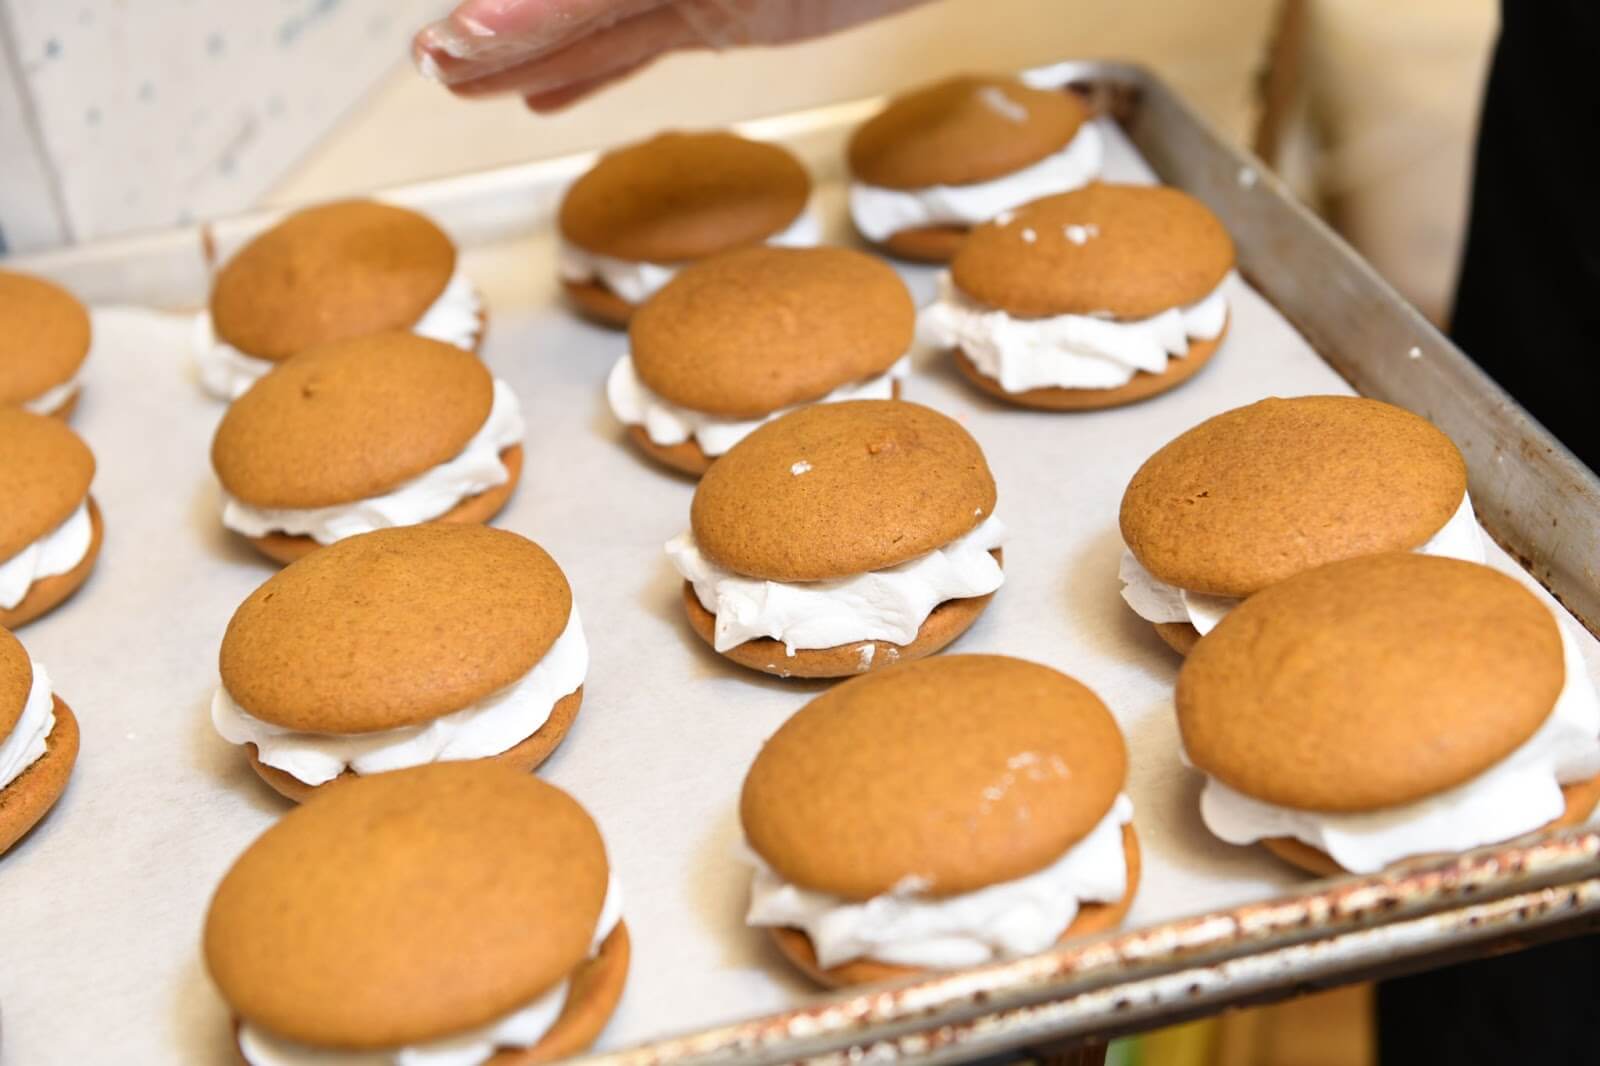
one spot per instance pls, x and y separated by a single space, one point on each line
44 339
1389 706
330 273
38 742
645 209
461 913
402 647
939 814
841 538
50 527
1090 299
1262 492
944 157
742 337
386 430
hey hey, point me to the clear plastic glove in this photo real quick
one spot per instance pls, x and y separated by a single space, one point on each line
553 52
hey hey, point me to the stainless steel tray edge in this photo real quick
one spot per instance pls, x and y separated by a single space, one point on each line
1333 931
1544 508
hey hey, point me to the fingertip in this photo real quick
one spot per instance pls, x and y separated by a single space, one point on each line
557 100
423 60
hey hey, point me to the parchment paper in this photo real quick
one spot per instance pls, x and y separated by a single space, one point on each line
101 908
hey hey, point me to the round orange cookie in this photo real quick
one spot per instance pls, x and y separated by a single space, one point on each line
44 339
962 131
1262 492
832 491
397 628
404 909
926 244
1370 685
746 333
683 196
45 474
960 773
354 420
743 335
1115 253
1146 249
674 198
1298 699
887 481
29 796
328 273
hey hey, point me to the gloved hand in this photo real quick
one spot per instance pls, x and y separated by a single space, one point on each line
553 52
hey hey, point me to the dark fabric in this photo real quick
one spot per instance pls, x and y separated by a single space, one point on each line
1538 1006
1528 303
1528 310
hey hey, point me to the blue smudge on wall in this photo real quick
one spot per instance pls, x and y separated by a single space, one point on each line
290 29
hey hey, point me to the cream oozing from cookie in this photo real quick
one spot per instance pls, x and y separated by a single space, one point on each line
879 213
1001 921
1067 351
52 399
29 738
889 604
489 726
636 281
1517 795
519 1030
477 468
456 317
667 423
57 552
1156 601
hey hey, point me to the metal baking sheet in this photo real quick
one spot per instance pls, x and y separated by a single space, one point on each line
100 909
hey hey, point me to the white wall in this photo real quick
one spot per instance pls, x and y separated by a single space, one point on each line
120 115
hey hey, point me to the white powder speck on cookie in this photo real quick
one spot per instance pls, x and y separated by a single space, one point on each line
1004 218
1080 234
995 98
1029 236
802 467
865 654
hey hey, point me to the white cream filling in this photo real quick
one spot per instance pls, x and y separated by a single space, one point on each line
879 213
56 552
29 737
888 605
227 373
52 399
476 468
1067 351
1051 75
1156 601
488 727
1515 796
636 281
666 423
1007 920
521 1029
